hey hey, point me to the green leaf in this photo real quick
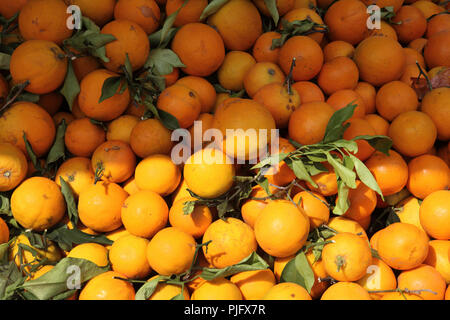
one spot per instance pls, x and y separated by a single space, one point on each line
110 88
31 154
4 247
5 207
57 151
349 145
71 87
300 170
128 68
335 128
65 237
366 176
264 184
188 207
56 281
162 61
272 7
271 160
348 176
148 288
168 120
250 263
10 279
168 23
155 38
212 8
380 143
298 270
72 210
342 203
4 61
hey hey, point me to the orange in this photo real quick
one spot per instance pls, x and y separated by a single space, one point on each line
131 39
379 60
44 20
9 9
437 23
77 172
390 172
302 14
337 74
209 173
378 123
347 257
326 182
308 55
279 264
374 239
280 174
287 291
412 56
342 98
280 100
343 224
402 246
379 276
167 291
261 74
128 257
435 214
170 251
413 133
217 289
4 231
308 91
428 8
427 173
115 234
51 102
40 272
418 44
409 23
318 268
363 201
408 211
172 77
262 49
360 127
346 21
84 65
204 89
435 52
395 4
145 13
189 13
116 159
121 128
315 206
254 285
436 105
368 94
307 124
100 12
144 213
281 228
91 92
345 291
194 223
13 166
423 277
150 137
105 286
247 127
394 98
38 204
182 102
232 72
385 30
283 6
200 48
83 137
93 252
99 206
231 241
336 49
439 257
157 173
228 21
41 62
251 208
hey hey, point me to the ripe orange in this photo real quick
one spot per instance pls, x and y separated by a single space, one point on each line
409 23
204 89
283 6
437 23
145 13
379 276
315 206
262 49
402 246
251 208
427 173
413 133
308 91
232 72
99 206
302 14
170 251
435 52
336 49
326 182
341 98
287 291
428 8
343 224
105 286
121 128
77 172
100 12
261 74
337 74
423 277
439 257
360 127
4 231
254 285
144 213
13 166
194 223
157 173
83 137
91 92
41 62
435 214
394 98
167 291
345 291
363 201
231 241
93 252
38 204
408 211
189 13
150 137
281 228
217 289
200 48
379 124
436 105
84 65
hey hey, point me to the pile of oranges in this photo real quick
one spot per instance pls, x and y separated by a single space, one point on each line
87 173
